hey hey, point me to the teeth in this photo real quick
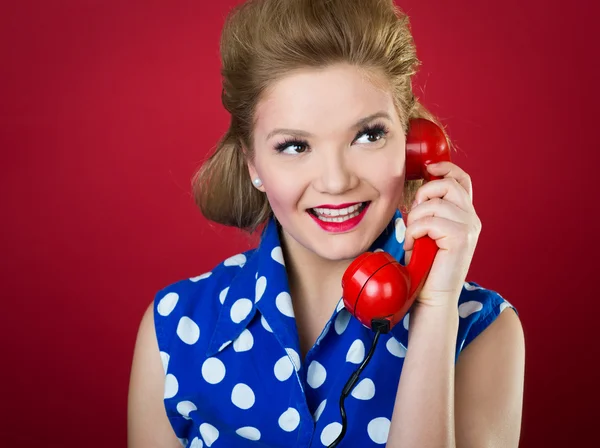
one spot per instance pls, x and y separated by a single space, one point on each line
339 219
341 215
337 212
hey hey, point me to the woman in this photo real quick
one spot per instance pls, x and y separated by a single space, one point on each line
256 352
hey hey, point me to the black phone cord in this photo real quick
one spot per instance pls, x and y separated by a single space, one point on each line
348 388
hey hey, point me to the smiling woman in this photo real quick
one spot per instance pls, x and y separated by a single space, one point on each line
289 45
355 154
258 351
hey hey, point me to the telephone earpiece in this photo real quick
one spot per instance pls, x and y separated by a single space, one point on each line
377 289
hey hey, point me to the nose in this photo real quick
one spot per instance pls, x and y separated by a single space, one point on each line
335 173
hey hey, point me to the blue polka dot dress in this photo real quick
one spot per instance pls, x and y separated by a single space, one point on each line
233 374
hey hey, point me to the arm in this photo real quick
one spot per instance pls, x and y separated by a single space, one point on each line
423 414
147 422
475 404
489 386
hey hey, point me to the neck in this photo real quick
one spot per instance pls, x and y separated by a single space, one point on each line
314 281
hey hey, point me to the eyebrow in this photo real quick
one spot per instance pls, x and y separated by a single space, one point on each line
360 123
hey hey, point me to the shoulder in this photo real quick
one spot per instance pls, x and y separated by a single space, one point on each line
168 345
478 308
194 291
191 305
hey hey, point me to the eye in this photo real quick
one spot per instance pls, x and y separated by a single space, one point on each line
374 133
294 146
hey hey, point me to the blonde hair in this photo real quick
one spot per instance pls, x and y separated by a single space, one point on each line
261 42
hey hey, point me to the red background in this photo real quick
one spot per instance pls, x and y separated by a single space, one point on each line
109 107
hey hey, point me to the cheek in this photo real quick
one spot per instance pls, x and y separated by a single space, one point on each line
386 173
284 189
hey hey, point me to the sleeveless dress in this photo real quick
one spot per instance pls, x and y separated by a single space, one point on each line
230 350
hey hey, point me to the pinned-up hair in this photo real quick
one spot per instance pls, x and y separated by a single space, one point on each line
264 40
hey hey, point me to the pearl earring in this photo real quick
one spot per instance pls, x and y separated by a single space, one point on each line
257 182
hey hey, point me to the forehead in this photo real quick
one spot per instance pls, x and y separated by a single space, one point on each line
322 99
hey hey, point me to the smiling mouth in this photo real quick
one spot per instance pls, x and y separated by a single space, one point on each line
338 215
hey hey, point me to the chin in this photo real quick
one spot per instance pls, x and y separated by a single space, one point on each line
340 255
341 247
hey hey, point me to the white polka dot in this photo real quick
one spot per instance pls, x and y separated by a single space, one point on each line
259 289
277 255
283 368
201 277
341 321
183 441
284 304
400 230
171 386
209 433
236 260
468 308
167 303
196 443
461 345
395 348
330 433
356 353
316 374
164 357
341 305
378 429
470 287
248 432
406 321
323 333
242 396
240 310
289 420
364 390
504 305
265 324
185 407
188 330
224 344
378 250
293 354
213 370
223 294
244 341
256 275
319 410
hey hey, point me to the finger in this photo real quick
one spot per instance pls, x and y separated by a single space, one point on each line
447 189
441 230
450 170
440 208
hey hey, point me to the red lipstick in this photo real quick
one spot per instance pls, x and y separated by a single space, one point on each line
346 224
336 207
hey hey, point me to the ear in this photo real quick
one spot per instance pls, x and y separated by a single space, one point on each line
251 169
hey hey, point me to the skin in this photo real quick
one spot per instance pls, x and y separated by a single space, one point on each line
336 167
437 403
475 403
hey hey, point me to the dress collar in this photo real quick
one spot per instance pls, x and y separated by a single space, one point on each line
262 285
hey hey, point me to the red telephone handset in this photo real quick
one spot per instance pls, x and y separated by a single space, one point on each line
378 290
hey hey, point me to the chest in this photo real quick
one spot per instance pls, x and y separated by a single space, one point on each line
252 391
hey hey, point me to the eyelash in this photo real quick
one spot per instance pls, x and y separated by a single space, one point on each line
378 129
